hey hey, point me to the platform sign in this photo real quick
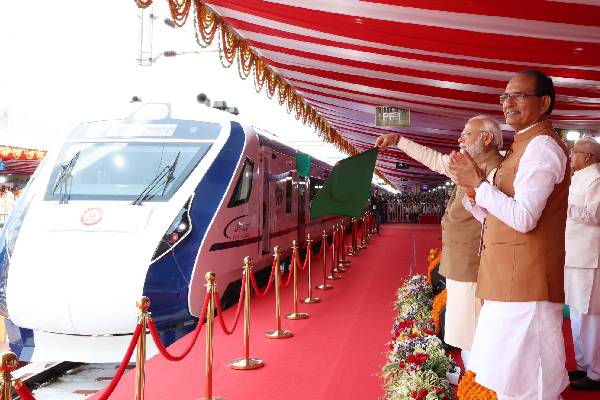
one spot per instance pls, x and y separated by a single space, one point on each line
391 116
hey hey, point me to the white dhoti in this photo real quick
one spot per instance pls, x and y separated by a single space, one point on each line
582 288
518 350
462 312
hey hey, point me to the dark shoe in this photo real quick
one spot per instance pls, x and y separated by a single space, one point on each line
576 374
585 383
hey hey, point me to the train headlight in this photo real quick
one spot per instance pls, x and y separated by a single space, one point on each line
178 230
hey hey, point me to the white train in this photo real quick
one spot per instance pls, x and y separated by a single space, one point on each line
144 205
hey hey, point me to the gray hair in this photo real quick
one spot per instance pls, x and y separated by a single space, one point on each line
591 146
491 126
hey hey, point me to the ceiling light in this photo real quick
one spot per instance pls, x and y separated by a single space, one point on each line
573 135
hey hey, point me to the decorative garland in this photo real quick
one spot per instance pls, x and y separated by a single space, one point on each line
231 44
438 305
17 153
435 255
468 389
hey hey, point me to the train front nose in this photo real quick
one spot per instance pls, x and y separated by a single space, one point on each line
79 276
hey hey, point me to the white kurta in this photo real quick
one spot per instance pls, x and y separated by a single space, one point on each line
582 240
518 349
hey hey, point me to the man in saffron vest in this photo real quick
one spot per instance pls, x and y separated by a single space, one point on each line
461 233
582 280
518 350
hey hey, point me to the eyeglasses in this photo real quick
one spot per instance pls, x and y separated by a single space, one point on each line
518 97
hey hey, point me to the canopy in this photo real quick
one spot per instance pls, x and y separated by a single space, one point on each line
446 61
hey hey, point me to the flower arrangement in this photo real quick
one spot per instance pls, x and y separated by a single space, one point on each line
468 389
417 363
439 302
435 255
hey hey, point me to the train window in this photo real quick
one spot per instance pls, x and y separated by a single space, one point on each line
243 187
123 171
315 185
288 196
174 129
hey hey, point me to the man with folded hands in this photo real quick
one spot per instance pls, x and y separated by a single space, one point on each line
461 232
518 350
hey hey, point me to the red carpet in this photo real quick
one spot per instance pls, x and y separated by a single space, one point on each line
335 354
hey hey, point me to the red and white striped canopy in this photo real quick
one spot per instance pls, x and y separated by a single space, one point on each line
446 61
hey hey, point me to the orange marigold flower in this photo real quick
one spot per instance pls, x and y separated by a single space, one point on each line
438 304
468 389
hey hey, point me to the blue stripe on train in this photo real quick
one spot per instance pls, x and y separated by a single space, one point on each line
167 282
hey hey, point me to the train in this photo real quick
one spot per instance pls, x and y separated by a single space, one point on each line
144 206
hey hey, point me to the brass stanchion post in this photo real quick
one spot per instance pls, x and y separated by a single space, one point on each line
210 324
334 269
143 306
278 333
362 243
296 314
247 362
10 362
340 249
324 285
343 262
310 299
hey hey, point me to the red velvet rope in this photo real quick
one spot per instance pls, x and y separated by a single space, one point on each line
237 312
271 279
163 350
23 391
285 282
303 265
115 380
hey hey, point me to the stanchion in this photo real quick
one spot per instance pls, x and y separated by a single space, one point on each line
310 299
143 306
210 324
355 248
296 314
10 362
334 269
278 333
363 241
247 362
324 285
343 262
340 249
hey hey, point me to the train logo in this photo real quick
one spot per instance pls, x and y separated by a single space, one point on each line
92 216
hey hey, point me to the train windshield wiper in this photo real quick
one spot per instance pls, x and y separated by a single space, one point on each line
167 172
61 183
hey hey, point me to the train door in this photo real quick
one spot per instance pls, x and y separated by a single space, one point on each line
266 207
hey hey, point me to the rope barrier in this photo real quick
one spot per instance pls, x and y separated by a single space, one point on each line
285 282
115 380
161 347
269 285
22 391
237 311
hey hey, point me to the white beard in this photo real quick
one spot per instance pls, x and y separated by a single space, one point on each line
476 149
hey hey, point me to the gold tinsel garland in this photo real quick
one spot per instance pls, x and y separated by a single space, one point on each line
231 44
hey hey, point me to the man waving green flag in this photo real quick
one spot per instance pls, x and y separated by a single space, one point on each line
346 189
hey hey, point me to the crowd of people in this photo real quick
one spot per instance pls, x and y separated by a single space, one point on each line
408 206
520 237
8 198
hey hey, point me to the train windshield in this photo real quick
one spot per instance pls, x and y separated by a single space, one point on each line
123 170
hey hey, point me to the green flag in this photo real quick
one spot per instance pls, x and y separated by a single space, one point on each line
346 189
303 164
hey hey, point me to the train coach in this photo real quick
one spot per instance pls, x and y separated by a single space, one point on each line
145 205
